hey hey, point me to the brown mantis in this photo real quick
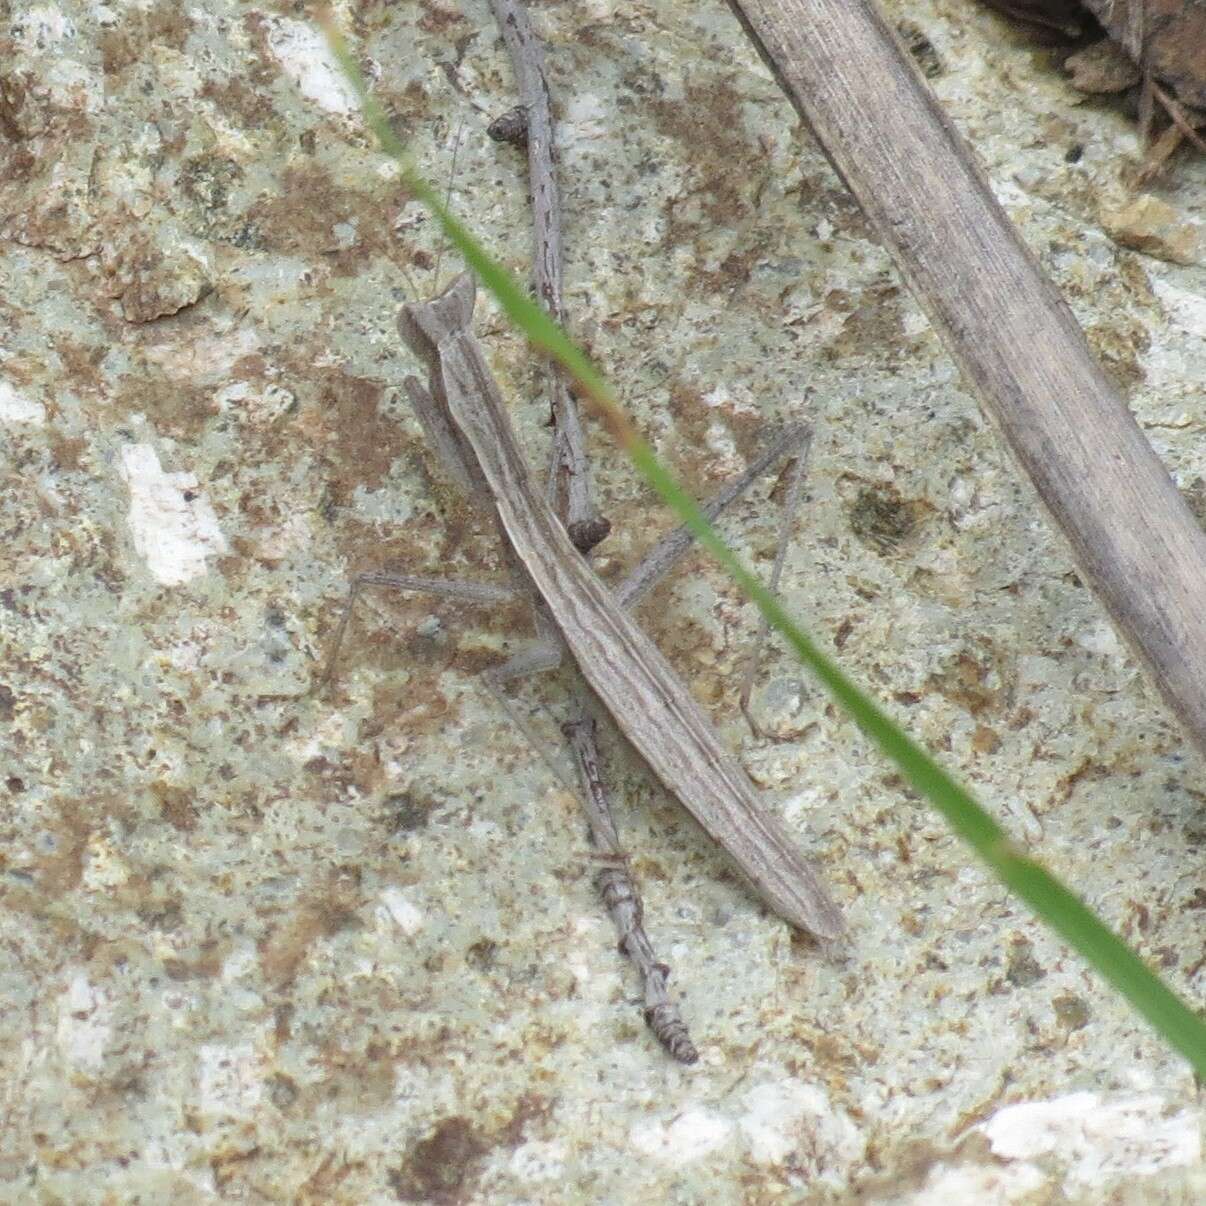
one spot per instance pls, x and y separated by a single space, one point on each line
649 702
451 315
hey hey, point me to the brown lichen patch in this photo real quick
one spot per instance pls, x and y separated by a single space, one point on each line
637 524
206 180
167 24
228 1164
406 812
302 217
452 543
151 280
321 1185
441 1167
1022 969
13 94
81 364
366 439
53 215
438 1167
177 408
18 166
1118 345
734 270
873 325
687 456
358 773
902 1171
881 517
438 19
67 451
323 914
343 421
964 680
709 123
62 869
240 100
818 193
175 806
1089 770
206 964
687 643
1071 1011
690 457
481 954
361 1076
985 740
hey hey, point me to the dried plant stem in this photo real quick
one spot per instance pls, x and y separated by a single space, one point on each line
569 471
1180 118
1134 539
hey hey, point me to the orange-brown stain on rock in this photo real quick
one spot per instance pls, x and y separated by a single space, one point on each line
963 681
327 911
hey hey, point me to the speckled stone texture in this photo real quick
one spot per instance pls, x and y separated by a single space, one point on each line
263 944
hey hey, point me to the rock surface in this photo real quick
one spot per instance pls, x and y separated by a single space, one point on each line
264 944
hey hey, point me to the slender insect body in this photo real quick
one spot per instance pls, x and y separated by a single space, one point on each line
649 702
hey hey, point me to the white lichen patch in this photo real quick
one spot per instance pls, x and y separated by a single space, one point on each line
683 1139
41 29
1097 1137
538 1161
228 1079
245 402
305 59
275 542
399 911
206 360
1101 639
83 1028
721 444
731 397
957 1186
585 119
15 407
788 1121
174 528
73 86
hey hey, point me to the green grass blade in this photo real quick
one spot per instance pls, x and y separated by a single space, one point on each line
1062 910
